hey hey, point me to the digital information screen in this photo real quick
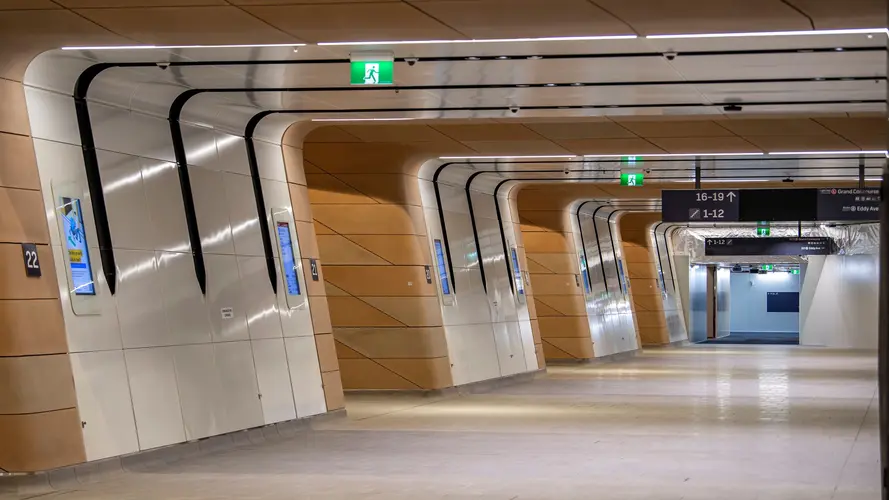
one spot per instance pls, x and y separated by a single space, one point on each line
517 273
442 269
849 204
288 262
700 205
720 247
585 275
75 243
782 302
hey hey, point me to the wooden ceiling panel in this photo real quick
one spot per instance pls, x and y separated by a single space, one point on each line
354 22
176 25
330 134
523 18
581 130
535 147
488 132
758 127
802 143
704 145
866 133
833 14
27 33
675 128
129 4
706 16
610 146
28 4
396 133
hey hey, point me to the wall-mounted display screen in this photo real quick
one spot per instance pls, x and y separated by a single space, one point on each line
75 243
782 302
585 275
442 269
288 262
517 273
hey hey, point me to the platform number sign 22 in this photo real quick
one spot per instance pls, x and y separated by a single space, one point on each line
32 262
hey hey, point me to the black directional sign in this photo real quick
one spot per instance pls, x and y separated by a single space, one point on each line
723 247
842 204
700 205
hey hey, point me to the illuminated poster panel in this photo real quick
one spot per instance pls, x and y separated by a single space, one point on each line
288 262
442 268
75 243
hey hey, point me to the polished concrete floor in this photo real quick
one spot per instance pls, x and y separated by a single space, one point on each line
703 422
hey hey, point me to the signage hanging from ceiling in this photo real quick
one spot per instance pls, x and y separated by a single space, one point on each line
765 205
372 68
725 247
632 179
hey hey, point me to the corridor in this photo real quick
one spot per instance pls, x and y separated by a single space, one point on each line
701 422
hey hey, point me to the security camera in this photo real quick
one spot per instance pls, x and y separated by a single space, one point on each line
647 170
163 65
411 60
670 55
514 109
732 107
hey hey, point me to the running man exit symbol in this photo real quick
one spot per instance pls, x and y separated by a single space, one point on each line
371 73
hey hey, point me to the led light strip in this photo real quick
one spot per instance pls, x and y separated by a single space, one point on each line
485 40
363 119
805 153
151 47
757 34
671 155
531 157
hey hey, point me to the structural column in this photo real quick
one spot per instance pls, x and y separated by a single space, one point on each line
642 271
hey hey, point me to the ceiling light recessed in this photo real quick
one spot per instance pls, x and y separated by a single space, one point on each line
525 157
672 155
488 40
400 119
577 84
534 58
502 57
163 47
808 153
473 58
774 33
550 85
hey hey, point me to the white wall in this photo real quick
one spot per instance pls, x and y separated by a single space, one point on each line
839 301
748 302
488 333
158 364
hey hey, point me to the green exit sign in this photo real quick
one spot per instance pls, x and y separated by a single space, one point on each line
794 271
763 231
767 267
631 160
372 73
631 179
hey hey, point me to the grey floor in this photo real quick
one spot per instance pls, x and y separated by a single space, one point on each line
703 422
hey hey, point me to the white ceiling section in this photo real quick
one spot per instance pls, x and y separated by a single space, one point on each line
593 78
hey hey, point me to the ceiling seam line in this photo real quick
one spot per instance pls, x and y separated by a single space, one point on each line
841 136
439 21
263 21
612 14
547 139
96 23
801 12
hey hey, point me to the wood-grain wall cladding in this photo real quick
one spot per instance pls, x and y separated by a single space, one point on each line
371 236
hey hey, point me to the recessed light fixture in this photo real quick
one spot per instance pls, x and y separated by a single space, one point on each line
525 157
863 31
487 40
670 155
362 119
163 47
806 153
550 85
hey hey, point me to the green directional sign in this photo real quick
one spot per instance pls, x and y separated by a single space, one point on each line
763 231
372 73
631 179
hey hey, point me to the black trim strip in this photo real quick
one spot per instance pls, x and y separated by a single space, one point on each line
191 218
444 228
586 260
620 284
599 246
657 249
258 196
93 176
478 246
